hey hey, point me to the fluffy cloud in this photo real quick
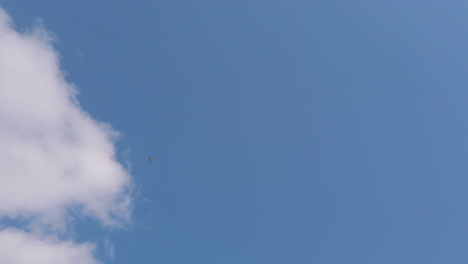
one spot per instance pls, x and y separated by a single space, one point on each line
18 247
55 160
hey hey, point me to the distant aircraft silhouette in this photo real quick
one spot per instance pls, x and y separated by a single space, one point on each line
150 159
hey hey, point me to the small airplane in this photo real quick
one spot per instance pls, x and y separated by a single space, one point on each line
150 159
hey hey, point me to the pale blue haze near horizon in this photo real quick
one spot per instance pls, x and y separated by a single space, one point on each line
281 131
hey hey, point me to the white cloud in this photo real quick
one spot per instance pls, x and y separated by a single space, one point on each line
19 247
55 160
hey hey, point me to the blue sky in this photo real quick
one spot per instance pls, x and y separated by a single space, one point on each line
281 131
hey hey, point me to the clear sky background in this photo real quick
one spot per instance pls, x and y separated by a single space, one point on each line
281 131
